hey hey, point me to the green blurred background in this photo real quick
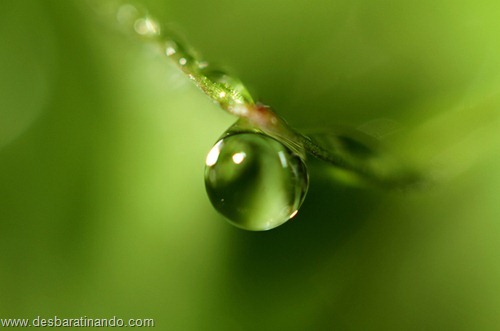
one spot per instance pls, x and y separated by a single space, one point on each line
103 210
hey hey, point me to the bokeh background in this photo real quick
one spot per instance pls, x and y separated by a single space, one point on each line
103 210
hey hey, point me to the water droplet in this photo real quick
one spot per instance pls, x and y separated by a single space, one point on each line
230 90
146 26
254 180
180 54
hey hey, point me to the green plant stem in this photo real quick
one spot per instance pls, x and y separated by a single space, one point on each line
232 96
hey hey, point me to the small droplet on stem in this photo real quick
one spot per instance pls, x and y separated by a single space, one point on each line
229 90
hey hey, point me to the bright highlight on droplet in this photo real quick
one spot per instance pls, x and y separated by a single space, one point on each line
255 181
182 61
283 159
213 155
147 27
170 51
202 64
238 157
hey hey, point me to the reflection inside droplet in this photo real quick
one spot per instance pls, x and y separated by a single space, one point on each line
230 89
170 51
239 157
202 64
283 160
255 181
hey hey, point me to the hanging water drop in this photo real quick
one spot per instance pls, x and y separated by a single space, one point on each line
254 180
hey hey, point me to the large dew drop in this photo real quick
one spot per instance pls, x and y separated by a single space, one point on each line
255 181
